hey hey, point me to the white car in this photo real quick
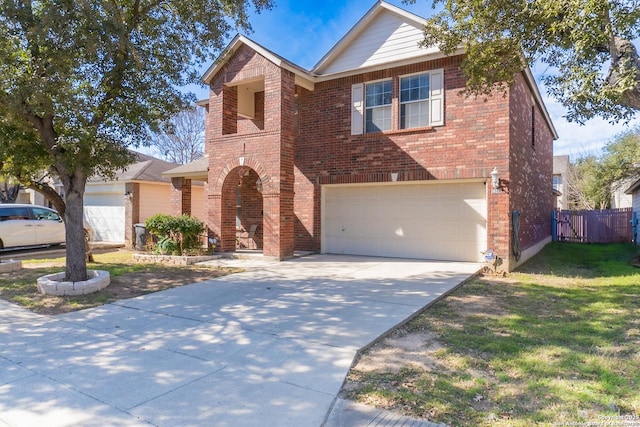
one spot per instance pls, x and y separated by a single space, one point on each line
29 225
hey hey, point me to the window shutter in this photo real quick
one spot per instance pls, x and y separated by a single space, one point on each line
357 108
436 97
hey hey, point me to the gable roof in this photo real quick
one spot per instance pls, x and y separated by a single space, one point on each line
198 169
146 168
385 34
633 187
303 77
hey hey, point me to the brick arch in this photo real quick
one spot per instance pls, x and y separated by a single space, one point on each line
250 162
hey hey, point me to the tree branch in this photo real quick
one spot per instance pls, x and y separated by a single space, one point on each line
48 192
624 72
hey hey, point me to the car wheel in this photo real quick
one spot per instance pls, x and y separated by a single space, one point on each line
1 245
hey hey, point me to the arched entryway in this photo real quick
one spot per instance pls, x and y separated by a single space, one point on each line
243 210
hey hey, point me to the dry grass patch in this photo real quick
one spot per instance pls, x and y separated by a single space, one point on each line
535 348
128 280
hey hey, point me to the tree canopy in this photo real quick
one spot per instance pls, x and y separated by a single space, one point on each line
82 80
588 46
593 178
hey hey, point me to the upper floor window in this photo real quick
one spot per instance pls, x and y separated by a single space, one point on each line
414 101
405 102
378 106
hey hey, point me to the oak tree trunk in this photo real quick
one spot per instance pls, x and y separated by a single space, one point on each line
76 265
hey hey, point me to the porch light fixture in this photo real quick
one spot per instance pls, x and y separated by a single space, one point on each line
259 185
128 194
495 178
495 181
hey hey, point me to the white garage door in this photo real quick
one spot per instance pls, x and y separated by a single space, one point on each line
443 221
106 215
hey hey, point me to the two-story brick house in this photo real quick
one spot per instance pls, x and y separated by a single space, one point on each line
372 152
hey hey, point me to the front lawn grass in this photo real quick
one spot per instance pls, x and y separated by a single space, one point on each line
555 343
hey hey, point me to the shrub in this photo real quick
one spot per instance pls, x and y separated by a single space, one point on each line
175 234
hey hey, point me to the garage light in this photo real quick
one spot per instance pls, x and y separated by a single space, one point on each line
495 181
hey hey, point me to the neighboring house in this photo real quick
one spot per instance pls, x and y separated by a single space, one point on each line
372 152
633 191
561 165
619 196
31 197
113 207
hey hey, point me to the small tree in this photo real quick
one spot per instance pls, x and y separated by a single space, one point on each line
181 138
621 158
592 179
584 187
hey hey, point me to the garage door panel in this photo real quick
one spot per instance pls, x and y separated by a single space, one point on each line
430 221
107 222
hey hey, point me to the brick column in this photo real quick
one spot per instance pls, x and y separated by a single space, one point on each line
180 196
131 212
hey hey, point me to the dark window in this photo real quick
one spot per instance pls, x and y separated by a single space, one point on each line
533 126
13 213
46 214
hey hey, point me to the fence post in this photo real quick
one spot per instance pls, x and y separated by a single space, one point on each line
554 225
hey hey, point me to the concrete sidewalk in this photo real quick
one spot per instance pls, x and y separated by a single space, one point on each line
267 347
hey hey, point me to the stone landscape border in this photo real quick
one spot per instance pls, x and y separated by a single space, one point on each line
172 259
53 284
7 266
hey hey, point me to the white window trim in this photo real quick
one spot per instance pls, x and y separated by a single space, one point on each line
436 101
400 103
390 105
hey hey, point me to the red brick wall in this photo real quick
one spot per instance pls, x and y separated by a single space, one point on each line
531 167
477 136
265 144
474 140
180 193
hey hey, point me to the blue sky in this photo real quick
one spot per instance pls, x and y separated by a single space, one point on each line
303 31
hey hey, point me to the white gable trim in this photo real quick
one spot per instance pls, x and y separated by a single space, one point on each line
361 26
307 79
531 82
303 77
385 66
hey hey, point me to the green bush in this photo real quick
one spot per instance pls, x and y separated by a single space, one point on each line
175 234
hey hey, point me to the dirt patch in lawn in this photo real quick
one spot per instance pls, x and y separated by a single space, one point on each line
20 287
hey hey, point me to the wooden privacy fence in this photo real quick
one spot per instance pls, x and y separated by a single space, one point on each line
603 226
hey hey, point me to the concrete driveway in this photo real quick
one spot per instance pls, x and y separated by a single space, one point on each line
267 347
